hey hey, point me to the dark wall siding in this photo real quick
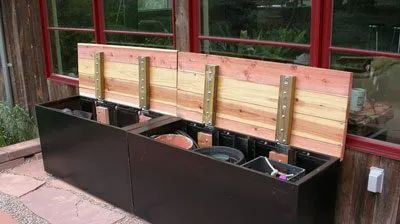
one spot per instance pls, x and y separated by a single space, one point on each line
24 46
354 203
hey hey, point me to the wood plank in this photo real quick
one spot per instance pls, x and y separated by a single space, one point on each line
129 72
182 25
308 103
268 73
320 109
102 115
303 125
387 203
354 203
24 47
160 58
158 93
159 101
231 114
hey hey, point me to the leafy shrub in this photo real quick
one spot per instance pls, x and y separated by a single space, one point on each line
15 125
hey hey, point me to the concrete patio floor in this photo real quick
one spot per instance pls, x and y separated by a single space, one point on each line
28 195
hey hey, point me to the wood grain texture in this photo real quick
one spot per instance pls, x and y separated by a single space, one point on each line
182 26
387 203
160 58
24 49
263 72
121 73
248 95
354 203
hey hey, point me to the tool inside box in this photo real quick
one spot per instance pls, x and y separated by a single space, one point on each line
250 146
120 115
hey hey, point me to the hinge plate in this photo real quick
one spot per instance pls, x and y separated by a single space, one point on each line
144 83
99 75
210 94
285 109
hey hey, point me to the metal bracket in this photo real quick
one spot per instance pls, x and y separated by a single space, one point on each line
99 75
210 94
285 109
144 83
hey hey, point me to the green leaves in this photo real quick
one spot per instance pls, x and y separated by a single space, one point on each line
15 125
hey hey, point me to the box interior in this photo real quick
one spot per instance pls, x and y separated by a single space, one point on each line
251 147
120 116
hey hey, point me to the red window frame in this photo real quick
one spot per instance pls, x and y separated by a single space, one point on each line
320 53
313 47
99 30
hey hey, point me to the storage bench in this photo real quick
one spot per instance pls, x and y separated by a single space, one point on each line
287 122
86 153
172 185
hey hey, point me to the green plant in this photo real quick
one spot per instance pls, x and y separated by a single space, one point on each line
15 125
291 35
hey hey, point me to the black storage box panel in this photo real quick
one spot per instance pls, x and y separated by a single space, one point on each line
246 104
85 153
172 185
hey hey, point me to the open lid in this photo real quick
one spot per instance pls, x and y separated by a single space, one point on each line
246 92
118 72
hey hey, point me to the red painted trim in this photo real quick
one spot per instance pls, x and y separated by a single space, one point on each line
81 30
374 147
46 38
315 36
327 18
194 25
173 23
98 21
256 42
363 52
64 79
138 33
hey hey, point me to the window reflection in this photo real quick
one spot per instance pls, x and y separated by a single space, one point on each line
367 24
375 105
271 20
70 13
139 15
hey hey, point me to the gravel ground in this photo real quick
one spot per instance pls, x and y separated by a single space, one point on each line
15 208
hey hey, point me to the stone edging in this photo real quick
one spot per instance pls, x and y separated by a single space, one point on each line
14 155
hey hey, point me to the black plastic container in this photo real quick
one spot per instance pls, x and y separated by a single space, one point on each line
223 153
87 154
171 185
261 165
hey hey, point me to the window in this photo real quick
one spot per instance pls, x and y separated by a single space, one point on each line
366 41
269 30
127 22
70 22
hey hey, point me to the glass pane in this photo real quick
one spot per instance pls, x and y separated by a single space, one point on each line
367 24
270 53
70 13
274 20
375 105
159 42
139 15
64 51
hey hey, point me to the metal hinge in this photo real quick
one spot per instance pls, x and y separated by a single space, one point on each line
144 83
210 94
287 88
99 75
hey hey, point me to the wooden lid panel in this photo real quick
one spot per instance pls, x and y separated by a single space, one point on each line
121 75
247 99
